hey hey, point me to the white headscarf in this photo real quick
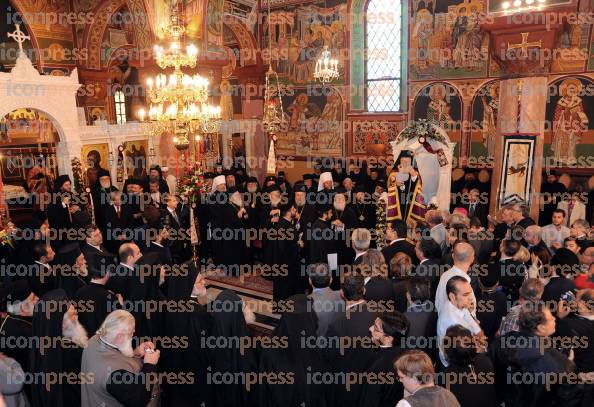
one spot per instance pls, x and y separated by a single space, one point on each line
325 176
218 180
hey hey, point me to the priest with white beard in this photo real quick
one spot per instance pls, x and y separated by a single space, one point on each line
121 374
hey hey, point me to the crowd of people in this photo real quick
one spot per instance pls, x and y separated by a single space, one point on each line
105 299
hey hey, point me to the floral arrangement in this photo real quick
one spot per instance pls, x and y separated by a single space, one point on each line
6 236
380 224
77 173
191 186
423 129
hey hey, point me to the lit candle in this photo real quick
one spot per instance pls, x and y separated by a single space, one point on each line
141 113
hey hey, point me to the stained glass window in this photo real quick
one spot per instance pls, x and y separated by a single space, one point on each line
120 106
384 63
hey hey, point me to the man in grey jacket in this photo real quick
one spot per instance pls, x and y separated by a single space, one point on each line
327 304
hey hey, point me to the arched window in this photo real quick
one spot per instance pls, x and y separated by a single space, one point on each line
120 106
384 64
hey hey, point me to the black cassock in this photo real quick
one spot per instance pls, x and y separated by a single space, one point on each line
101 201
60 219
216 205
307 216
229 322
192 322
60 360
101 302
406 196
283 252
267 224
346 254
365 216
320 242
233 239
18 330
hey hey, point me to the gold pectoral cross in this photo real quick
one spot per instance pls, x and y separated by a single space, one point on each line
524 45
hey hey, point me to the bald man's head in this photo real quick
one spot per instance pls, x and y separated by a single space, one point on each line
463 253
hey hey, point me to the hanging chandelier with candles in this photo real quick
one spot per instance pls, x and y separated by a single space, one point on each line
326 67
178 101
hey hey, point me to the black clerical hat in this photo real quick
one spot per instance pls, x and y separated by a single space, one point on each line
381 183
232 190
308 176
300 187
61 180
340 190
270 178
208 175
103 173
272 188
17 291
252 180
359 188
68 254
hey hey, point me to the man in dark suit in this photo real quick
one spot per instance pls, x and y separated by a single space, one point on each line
354 323
101 301
40 275
118 218
93 244
511 272
429 254
475 206
178 226
396 233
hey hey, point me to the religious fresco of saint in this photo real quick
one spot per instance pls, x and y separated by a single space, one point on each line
119 33
446 40
571 52
569 129
136 153
441 104
485 107
94 158
27 126
313 123
299 37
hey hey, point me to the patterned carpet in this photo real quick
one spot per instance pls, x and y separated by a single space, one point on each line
255 291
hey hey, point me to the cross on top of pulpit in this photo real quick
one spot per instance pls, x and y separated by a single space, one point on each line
524 45
19 36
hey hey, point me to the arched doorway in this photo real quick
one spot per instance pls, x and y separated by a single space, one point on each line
28 161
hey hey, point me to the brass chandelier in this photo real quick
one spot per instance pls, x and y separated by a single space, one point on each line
178 101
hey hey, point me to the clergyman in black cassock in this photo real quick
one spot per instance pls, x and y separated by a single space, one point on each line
229 322
343 221
284 255
17 326
233 235
301 359
61 357
192 322
101 300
